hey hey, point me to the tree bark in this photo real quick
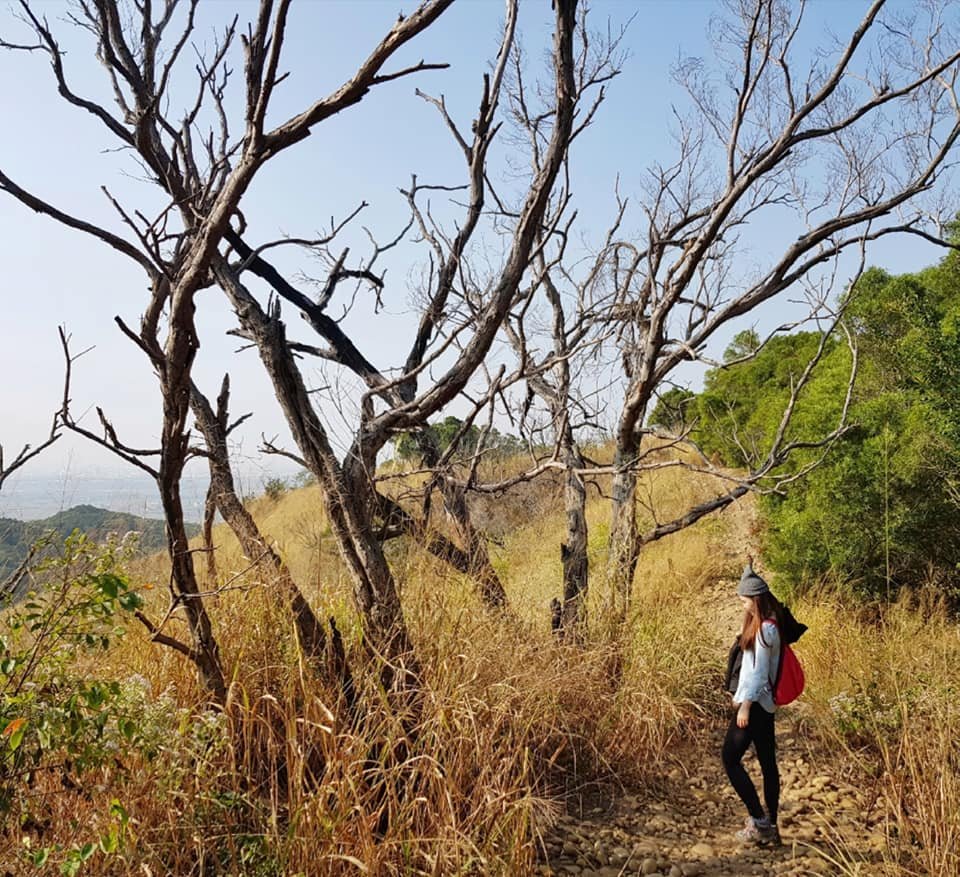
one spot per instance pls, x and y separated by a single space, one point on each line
224 494
349 498
490 587
209 513
573 550
175 382
481 569
624 548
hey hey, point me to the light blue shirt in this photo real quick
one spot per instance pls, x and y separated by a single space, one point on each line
759 669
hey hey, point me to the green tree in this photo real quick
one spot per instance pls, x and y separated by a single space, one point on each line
741 405
445 431
674 410
883 510
743 344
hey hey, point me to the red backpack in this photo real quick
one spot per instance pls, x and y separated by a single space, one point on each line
789 684
790 680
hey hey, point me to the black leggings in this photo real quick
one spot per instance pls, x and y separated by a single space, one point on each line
759 732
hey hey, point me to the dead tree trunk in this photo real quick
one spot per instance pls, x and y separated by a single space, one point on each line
624 549
480 568
175 382
205 174
821 160
215 429
488 582
209 513
573 550
351 519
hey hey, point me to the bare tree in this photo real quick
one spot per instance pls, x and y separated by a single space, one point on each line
222 496
549 370
884 143
401 403
853 148
204 174
199 239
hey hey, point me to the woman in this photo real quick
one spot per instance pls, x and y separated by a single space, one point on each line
753 720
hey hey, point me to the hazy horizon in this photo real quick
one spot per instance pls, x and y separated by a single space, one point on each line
30 496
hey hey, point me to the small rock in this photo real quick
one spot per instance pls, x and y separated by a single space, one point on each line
649 866
675 871
701 851
691 869
619 855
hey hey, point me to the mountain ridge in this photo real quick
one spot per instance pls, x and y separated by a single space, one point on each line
17 536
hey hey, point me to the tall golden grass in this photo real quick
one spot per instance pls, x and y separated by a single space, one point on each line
511 722
884 688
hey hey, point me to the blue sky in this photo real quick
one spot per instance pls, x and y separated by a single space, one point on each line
52 275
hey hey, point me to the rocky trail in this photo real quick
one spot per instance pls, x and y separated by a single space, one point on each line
685 826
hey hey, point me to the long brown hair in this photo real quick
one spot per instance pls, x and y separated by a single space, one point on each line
763 607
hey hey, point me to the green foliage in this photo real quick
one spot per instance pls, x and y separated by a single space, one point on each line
743 344
446 431
741 406
877 512
674 410
883 511
275 488
82 857
56 711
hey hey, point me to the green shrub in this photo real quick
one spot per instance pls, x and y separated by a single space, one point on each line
275 488
57 713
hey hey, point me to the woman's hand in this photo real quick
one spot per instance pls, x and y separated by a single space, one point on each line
743 715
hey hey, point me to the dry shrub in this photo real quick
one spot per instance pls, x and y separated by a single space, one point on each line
883 685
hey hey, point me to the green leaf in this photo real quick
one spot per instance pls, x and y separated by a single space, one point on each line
118 811
94 696
110 585
8 666
86 851
130 601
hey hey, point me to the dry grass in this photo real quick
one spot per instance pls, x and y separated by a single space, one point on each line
509 722
884 689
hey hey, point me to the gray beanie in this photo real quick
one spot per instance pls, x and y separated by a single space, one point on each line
751 585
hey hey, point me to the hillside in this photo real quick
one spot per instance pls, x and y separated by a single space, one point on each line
531 757
16 537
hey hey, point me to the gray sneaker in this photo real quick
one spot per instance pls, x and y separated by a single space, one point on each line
763 834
